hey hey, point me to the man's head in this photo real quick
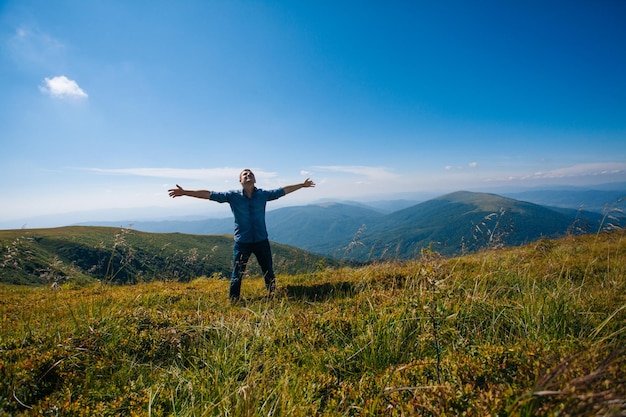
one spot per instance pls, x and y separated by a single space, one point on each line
246 177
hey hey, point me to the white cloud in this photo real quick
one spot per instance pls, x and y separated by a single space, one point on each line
222 174
339 180
461 167
590 169
580 174
369 172
62 87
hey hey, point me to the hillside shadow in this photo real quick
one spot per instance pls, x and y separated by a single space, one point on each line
320 292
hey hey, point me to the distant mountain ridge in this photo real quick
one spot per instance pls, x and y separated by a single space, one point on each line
315 226
455 223
464 222
591 200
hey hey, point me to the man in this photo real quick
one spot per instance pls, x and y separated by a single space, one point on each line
248 207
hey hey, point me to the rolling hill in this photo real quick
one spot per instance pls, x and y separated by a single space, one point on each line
455 223
315 226
465 222
86 253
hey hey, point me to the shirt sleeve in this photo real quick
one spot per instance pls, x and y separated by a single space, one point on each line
219 196
274 194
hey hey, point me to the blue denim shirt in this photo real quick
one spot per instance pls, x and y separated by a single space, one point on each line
249 212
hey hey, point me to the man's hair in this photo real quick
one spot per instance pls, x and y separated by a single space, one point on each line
247 169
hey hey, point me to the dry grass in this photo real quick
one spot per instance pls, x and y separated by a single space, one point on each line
531 331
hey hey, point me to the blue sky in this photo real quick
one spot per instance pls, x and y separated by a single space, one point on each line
107 104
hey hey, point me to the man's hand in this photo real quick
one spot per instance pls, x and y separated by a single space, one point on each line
176 192
306 184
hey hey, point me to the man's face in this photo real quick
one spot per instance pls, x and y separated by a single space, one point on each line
246 177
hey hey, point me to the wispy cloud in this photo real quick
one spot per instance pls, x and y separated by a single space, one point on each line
379 179
31 46
368 172
62 87
221 174
587 173
470 165
580 170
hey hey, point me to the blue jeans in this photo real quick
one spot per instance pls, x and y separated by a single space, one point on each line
241 254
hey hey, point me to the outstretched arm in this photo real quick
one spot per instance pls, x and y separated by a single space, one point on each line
179 192
291 188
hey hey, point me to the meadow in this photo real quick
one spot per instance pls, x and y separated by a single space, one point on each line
537 330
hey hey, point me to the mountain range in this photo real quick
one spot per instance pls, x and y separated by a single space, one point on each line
451 224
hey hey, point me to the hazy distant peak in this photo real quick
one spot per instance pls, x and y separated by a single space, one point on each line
486 202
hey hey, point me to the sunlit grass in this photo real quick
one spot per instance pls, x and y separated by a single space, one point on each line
536 330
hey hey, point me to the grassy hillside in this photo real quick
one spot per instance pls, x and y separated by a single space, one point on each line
81 254
538 330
